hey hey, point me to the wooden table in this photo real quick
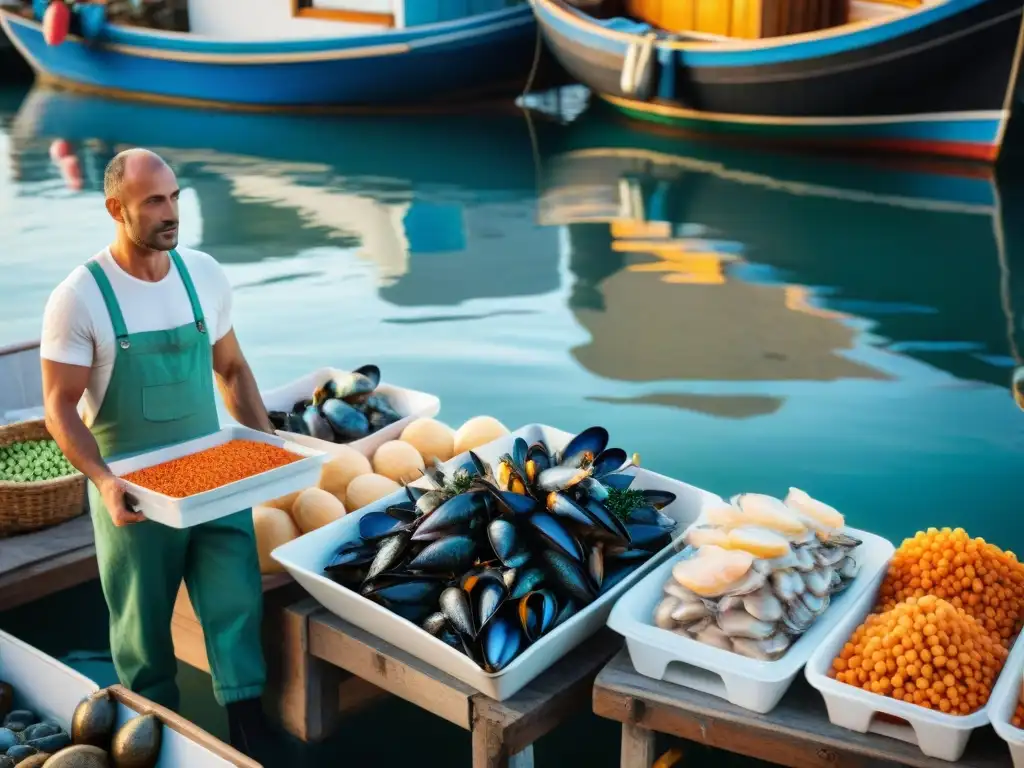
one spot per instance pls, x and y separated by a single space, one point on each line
796 733
503 732
69 561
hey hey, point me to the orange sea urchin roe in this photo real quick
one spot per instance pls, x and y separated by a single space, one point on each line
970 573
212 468
923 651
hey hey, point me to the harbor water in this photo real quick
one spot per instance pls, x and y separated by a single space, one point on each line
745 321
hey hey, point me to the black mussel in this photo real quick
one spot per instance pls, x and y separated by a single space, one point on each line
649 537
620 481
608 461
526 580
451 554
568 576
584 447
563 506
588 489
537 611
374 526
456 511
295 423
430 501
501 643
412 612
506 543
278 419
378 421
554 534
380 405
435 623
350 555
561 478
405 588
299 406
389 553
508 477
316 425
649 515
621 552
568 610
347 422
607 520
595 564
515 504
537 460
519 450
616 575
454 604
354 387
487 593
659 499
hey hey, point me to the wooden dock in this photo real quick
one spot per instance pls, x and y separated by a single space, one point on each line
797 733
503 733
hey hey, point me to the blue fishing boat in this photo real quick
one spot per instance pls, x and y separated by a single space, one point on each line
291 53
919 76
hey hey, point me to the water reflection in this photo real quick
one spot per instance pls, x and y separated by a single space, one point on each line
759 267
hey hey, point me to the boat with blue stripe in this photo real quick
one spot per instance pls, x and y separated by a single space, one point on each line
918 76
399 53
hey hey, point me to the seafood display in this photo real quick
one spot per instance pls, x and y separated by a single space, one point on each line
757 573
342 409
947 612
30 461
94 742
491 558
205 470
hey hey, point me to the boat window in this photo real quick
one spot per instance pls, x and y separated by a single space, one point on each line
351 11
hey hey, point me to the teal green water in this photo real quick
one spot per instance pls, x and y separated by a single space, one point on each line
744 321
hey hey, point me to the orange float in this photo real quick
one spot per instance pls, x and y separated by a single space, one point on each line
56 21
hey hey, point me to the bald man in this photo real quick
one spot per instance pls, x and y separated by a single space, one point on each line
130 345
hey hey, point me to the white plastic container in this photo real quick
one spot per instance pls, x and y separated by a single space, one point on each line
1003 702
409 403
937 734
230 498
306 557
745 682
52 690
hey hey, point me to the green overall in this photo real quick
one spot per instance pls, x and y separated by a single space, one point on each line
161 393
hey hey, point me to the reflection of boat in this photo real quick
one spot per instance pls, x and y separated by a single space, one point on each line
296 55
394 188
736 236
932 77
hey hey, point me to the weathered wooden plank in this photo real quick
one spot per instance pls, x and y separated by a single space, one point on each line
36 581
796 733
561 690
364 655
637 749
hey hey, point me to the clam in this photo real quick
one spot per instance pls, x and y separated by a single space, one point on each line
739 623
768 649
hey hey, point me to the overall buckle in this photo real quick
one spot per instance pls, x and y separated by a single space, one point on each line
125 343
201 325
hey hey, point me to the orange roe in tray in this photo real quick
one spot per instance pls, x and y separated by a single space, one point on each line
1018 717
227 463
971 574
924 651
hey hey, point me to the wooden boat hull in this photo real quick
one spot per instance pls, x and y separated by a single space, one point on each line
481 55
937 81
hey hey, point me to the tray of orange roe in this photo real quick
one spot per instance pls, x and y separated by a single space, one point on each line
919 657
214 476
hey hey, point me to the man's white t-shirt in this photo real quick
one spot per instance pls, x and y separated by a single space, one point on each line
77 329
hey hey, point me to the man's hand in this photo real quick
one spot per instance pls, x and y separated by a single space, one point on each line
112 490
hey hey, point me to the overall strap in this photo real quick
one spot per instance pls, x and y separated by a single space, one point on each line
113 308
190 289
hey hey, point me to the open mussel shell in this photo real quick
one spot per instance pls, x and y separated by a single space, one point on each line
608 461
608 521
507 544
619 481
590 488
585 446
487 593
537 460
537 611
500 643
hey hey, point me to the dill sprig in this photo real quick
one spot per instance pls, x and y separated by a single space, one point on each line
460 482
622 501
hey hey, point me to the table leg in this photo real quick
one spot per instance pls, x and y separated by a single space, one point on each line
523 759
490 751
637 747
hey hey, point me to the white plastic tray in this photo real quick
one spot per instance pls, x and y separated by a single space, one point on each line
52 690
409 403
230 498
306 557
745 682
937 734
1003 703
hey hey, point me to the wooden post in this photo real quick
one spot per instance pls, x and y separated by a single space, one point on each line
637 747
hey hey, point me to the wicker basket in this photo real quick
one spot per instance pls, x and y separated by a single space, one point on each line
27 507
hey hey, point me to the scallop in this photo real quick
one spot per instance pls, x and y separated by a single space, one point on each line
760 542
820 513
763 605
768 512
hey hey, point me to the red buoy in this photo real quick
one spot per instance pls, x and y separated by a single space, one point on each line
59 149
71 171
56 21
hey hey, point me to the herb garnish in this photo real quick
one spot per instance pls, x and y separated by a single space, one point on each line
460 483
622 501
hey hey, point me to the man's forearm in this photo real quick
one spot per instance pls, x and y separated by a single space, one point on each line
76 441
242 399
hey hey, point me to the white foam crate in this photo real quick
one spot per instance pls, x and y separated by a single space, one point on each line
410 404
52 690
755 685
937 734
306 556
1001 705
227 499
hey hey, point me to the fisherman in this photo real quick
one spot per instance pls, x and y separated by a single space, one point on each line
130 343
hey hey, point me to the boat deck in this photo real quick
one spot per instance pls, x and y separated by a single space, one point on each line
38 564
797 733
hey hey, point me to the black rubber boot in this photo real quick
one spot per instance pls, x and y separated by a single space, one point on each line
248 730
